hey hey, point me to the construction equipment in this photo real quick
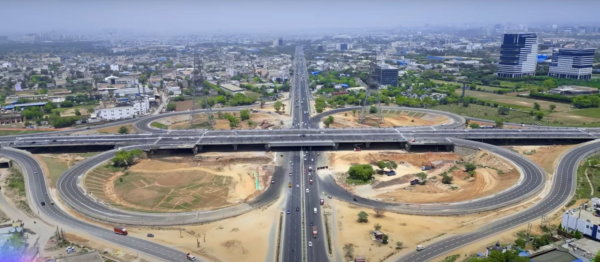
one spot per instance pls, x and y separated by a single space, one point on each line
357 147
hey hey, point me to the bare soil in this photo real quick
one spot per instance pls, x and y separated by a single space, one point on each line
492 176
176 184
391 118
106 130
258 120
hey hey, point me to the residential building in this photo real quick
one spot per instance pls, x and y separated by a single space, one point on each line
572 63
134 109
232 89
583 219
518 55
385 74
176 90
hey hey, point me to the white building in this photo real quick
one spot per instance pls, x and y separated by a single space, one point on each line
518 55
572 63
175 89
138 108
114 67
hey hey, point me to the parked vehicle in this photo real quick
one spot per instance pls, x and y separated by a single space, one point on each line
120 231
419 248
190 257
322 201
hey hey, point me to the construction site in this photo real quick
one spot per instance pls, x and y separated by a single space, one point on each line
183 183
388 118
424 177
258 120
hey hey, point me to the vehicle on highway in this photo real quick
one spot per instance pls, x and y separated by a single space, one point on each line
297 185
290 183
310 181
307 190
288 211
330 197
297 209
354 199
150 235
51 202
310 243
315 210
272 181
120 231
314 231
190 257
311 224
420 247
43 203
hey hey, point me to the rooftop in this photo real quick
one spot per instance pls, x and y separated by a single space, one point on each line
232 88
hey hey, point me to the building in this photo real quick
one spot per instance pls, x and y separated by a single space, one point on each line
518 55
572 63
584 219
385 74
11 118
574 90
232 89
132 110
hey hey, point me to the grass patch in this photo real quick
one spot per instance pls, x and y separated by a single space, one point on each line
517 102
20 132
588 112
16 181
55 167
159 125
451 258
484 87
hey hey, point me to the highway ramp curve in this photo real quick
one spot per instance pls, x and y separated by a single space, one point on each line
70 191
531 183
457 121
563 188
38 192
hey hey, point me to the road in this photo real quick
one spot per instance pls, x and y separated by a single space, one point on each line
562 189
38 192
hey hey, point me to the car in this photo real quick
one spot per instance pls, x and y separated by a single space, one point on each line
420 247
87 127
51 202
310 243
318 154
272 181
330 197
288 211
354 199
43 203
150 235
297 209
312 160
297 185
307 190
311 224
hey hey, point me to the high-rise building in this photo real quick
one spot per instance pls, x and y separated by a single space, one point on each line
385 74
572 63
518 55
280 41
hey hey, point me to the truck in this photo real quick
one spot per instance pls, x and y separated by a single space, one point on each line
120 231
290 184
314 229
310 181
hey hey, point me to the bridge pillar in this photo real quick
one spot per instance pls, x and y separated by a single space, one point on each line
367 144
335 146
195 150
234 146
267 147
407 146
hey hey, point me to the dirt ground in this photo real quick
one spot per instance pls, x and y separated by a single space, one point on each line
243 238
492 176
545 156
391 118
259 121
180 183
106 130
107 250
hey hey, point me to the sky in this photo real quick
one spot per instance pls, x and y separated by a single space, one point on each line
264 16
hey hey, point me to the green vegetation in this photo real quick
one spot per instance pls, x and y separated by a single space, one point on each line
330 79
496 256
583 190
363 217
245 114
277 106
123 130
451 258
171 106
328 121
159 125
18 132
16 181
55 167
361 172
588 112
126 158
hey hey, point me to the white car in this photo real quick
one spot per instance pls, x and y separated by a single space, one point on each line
419 248
310 243
307 190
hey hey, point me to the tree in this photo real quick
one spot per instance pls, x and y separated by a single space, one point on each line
123 130
126 158
277 106
381 165
363 217
373 109
283 107
446 179
245 114
392 165
521 243
577 234
233 122
552 107
536 106
353 112
328 121
171 107
499 123
361 172
474 125
422 176
597 257
470 167
262 103
549 83
77 113
539 115
503 111
377 227
467 121
384 239
90 110
399 245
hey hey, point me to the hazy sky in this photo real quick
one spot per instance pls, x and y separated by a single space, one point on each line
193 16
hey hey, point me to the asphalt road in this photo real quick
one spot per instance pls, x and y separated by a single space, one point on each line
562 189
38 192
